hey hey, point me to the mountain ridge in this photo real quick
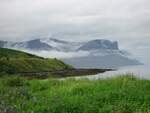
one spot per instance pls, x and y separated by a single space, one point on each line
93 49
100 44
55 44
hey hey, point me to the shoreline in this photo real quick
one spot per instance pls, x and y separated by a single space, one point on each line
63 73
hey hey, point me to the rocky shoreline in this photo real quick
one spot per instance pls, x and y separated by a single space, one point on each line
63 73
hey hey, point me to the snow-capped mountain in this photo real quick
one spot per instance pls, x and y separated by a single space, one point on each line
94 53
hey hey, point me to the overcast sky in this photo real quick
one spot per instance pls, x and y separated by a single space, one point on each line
127 21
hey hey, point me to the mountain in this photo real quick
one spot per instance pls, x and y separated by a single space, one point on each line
2 43
99 44
106 61
60 45
104 52
35 45
13 61
45 44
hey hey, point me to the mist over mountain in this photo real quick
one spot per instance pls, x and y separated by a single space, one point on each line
89 54
99 44
35 45
2 43
61 45
107 61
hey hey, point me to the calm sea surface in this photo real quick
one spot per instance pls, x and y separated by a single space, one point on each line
141 71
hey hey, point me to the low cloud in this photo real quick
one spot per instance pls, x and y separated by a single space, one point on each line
127 21
58 54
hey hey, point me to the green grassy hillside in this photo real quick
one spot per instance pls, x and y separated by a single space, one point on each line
125 94
13 61
10 53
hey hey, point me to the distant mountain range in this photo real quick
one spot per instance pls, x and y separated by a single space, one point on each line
60 45
101 53
31 45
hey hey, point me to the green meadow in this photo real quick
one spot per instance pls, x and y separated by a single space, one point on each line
123 94
18 94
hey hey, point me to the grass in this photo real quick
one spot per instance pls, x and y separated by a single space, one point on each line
31 65
123 94
12 61
10 53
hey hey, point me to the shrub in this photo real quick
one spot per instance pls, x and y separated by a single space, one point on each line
15 81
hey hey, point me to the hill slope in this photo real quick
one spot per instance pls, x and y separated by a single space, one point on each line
9 53
12 61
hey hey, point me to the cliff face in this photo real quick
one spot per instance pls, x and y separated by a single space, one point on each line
100 44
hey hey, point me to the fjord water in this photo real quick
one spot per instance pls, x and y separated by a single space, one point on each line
141 71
